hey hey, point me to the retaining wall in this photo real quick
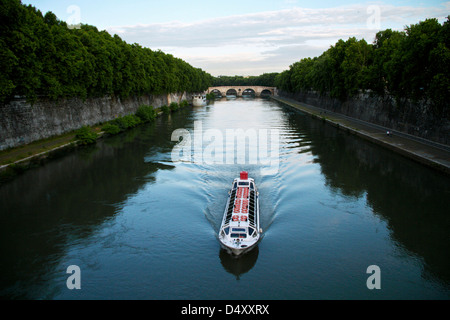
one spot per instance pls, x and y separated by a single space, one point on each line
415 118
22 122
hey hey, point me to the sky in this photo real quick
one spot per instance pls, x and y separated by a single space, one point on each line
243 37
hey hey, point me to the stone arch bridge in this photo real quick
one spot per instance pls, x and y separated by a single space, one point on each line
258 91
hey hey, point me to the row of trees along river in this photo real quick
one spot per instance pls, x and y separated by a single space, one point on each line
412 64
42 56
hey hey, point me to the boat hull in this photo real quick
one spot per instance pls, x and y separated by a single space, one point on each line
238 251
199 101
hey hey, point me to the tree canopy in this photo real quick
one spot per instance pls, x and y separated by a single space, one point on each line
42 56
266 80
414 63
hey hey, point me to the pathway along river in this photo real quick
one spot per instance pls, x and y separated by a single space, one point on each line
140 226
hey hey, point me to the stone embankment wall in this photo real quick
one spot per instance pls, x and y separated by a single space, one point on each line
22 122
415 118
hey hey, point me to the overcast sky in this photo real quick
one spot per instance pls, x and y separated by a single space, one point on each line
243 37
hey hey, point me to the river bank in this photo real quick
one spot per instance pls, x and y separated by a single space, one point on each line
22 122
427 152
14 161
17 160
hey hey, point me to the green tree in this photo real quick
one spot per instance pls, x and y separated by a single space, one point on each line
416 48
41 56
301 75
358 56
385 71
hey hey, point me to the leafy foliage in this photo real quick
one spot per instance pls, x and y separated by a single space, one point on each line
41 56
111 128
266 79
165 109
210 96
173 106
411 64
184 103
86 135
126 122
146 113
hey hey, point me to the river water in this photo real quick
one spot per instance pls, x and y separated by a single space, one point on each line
141 225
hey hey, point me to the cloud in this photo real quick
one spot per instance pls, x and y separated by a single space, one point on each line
251 43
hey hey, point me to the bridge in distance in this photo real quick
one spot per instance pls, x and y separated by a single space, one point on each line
239 91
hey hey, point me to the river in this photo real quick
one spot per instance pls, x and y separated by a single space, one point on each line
140 225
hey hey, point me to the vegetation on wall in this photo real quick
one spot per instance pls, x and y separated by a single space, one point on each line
144 114
413 64
41 56
85 135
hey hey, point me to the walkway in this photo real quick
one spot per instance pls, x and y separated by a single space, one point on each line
424 151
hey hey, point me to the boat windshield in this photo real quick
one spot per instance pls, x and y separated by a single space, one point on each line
238 235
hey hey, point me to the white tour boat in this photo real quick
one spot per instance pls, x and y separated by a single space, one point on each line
240 230
199 100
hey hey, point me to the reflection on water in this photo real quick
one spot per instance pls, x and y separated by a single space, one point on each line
143 227
412 199
238 265
47 208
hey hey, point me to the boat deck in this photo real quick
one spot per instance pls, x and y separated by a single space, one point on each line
240 226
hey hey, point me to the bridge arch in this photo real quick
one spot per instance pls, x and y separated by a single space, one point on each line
239 91
249 92
232 92
216 92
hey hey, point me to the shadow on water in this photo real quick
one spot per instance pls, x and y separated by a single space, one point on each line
411 198
46 208
238 265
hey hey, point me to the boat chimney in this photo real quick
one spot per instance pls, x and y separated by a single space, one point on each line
244 175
